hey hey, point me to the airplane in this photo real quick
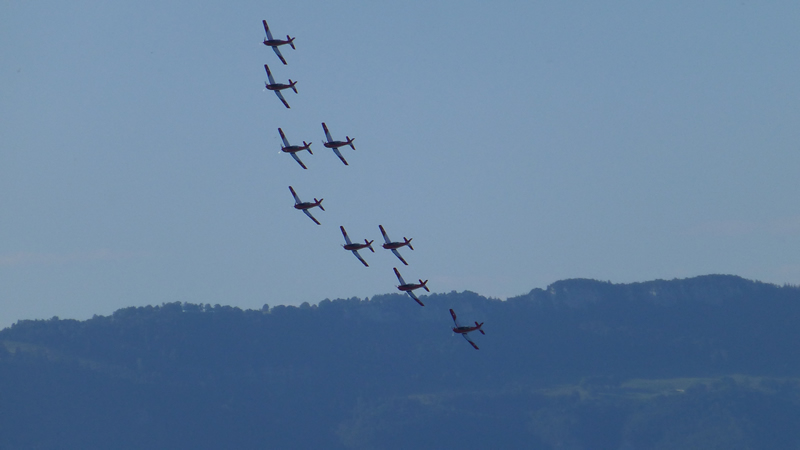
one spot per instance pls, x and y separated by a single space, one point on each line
293 149
334 145
464 330
408 288
305 206
356 247
393 246
278 87
275 43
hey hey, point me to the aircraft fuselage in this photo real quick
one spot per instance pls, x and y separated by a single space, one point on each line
295 148
278 86
409 287
355 246
335 144
394 245
464 330
306 205
275 42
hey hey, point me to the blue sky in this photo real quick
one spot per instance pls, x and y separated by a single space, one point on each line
517 143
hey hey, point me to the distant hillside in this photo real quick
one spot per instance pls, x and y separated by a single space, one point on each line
706 362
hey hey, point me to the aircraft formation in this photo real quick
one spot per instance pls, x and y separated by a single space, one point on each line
329 142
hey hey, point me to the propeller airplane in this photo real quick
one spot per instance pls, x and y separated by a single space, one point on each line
393 246
464 330
293 149
305 206
409 288
269 41
334 145
356 247
278 87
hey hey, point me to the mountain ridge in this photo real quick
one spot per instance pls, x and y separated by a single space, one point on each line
386 373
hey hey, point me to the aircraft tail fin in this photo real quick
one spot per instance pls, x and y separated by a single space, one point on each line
408 242
292 84
291 41
424 285
308 147
369 244
479 325
319 203
350 141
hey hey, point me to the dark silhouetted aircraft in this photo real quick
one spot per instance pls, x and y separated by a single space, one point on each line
356 247
334 145
305 206
408 288
393 246
278 87
464 330
275 43
293 149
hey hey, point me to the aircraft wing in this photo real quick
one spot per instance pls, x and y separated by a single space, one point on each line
396 253
327 133
296 158
280 96
346 238
278 52
336 150
414 296
283 137
453 313
470 341
266 28
294 194
312 217
355 252
385 236
269 75
400 279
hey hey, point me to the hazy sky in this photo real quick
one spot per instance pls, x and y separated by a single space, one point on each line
517 143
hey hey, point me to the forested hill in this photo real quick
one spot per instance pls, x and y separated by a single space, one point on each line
581 364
